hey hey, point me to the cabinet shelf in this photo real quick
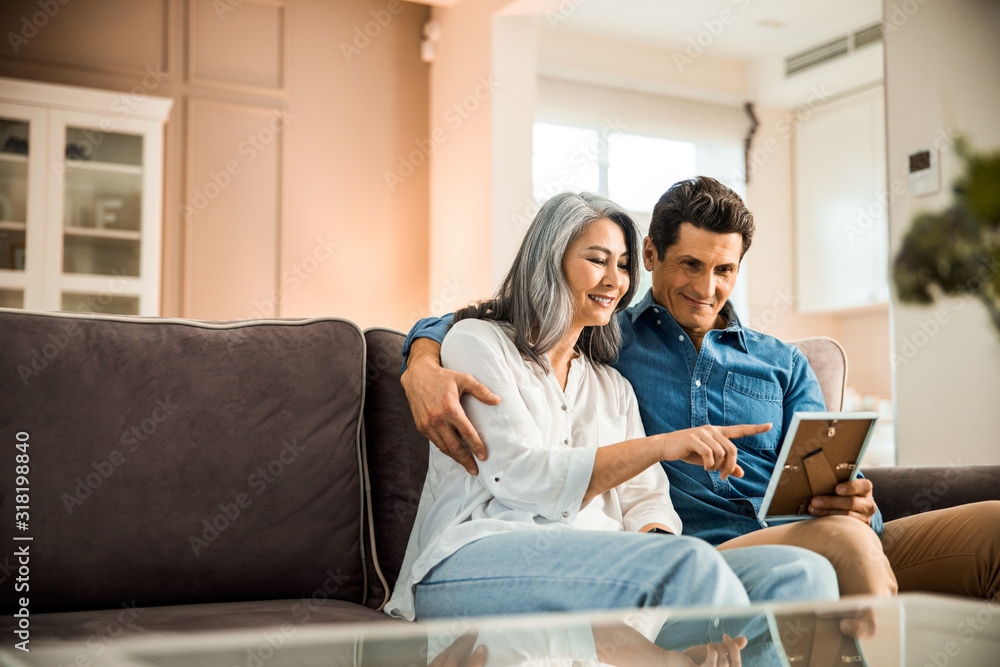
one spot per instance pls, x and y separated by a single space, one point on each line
11 279
106 167
123 234
16 158
13 226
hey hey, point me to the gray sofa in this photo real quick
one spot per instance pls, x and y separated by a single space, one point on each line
191 475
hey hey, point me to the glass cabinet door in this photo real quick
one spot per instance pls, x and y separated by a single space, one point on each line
102 216
81 197
14 146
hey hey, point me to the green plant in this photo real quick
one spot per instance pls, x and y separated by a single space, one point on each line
957 251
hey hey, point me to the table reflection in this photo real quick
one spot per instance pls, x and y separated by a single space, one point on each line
761 638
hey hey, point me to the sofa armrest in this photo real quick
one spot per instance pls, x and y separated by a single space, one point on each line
905 490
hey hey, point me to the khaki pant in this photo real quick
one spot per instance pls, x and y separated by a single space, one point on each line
954 550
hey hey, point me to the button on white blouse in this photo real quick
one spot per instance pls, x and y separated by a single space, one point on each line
534 477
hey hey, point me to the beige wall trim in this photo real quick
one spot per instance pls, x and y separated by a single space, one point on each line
197 67
86 62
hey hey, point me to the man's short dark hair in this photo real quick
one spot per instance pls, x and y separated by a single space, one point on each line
705 203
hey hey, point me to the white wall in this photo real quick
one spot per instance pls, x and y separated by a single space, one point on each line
942 76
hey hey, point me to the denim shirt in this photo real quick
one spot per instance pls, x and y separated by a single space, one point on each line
740 376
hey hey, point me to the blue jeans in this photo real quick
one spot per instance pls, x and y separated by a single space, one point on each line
576 570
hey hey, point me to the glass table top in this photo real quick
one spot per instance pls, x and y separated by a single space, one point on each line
917 630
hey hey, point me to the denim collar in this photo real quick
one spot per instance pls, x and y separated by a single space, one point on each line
733 324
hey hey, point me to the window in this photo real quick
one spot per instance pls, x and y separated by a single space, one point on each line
631 170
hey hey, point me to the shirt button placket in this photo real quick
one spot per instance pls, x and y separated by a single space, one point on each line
566 410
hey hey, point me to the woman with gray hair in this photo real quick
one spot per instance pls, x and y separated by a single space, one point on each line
571 511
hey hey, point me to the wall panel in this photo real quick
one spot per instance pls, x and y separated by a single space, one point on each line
232 208
123 36
239 46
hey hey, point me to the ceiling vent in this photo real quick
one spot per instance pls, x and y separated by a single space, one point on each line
832 50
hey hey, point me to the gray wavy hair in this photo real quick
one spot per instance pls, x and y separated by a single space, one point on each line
534 299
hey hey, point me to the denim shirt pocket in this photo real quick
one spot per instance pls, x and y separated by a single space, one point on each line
750 400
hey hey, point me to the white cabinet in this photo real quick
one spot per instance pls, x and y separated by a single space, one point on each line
81 198
840 205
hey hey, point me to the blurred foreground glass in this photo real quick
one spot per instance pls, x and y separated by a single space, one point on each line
909 630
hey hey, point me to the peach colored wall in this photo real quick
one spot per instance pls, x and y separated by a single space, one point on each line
461 166
309 225
355 122
867 338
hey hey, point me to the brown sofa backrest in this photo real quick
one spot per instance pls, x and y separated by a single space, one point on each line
396 456
173 461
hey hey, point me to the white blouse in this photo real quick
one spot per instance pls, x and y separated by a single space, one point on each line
541 443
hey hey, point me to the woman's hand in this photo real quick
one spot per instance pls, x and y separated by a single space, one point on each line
708 446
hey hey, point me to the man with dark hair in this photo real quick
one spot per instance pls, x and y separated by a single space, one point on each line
692 363
707 204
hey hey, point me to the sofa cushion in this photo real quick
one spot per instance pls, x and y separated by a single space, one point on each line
174 461
396 459
904 491
103 627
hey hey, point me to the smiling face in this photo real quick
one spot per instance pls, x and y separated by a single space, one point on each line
596 267
695 277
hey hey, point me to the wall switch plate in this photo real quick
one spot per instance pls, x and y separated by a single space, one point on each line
925 172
